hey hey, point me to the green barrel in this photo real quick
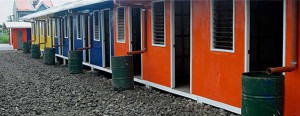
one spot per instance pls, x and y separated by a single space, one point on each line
35 51
262 94
122 73
49 56
26 47
75 62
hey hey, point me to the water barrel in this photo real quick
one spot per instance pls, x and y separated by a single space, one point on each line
122 73
75 62
49 56
262 94
35 51
26 47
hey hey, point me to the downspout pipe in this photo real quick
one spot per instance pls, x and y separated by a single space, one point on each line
294 60
118 3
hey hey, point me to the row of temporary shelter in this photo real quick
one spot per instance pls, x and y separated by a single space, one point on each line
197 49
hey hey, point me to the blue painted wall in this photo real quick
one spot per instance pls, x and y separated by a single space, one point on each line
96 50
77 40
65 41
28 34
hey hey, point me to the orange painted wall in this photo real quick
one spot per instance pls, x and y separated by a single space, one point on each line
15 39
156 60
121 49
217 75
292 80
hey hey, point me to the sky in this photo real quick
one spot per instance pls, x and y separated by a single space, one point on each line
7 6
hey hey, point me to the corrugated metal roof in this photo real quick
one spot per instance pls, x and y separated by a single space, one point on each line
17 25
64 7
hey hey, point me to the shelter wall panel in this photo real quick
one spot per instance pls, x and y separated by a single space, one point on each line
36 39
48 45
32 38
65 46
28 34
121 49
42 40
292 80
156 61
15 37
216 75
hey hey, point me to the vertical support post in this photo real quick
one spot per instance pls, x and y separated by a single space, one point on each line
45 34
89 37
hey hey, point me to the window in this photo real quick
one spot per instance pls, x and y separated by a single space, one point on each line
158 23
121 24
66 30
96 26
42 28
79 27
222 38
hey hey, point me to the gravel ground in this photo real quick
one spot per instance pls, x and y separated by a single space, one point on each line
28 87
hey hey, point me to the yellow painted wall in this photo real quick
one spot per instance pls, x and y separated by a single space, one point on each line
42 40
32 38
36 39
48 45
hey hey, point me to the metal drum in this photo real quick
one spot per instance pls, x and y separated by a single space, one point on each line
262 94
26 47
35 51
49 56
122 73
75 62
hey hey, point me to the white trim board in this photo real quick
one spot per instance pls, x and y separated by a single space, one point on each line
200 99
97 67
61 56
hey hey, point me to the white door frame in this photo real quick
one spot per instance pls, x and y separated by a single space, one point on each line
83 34
247 35
103 35
130 33
70 18
172 42
59 35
